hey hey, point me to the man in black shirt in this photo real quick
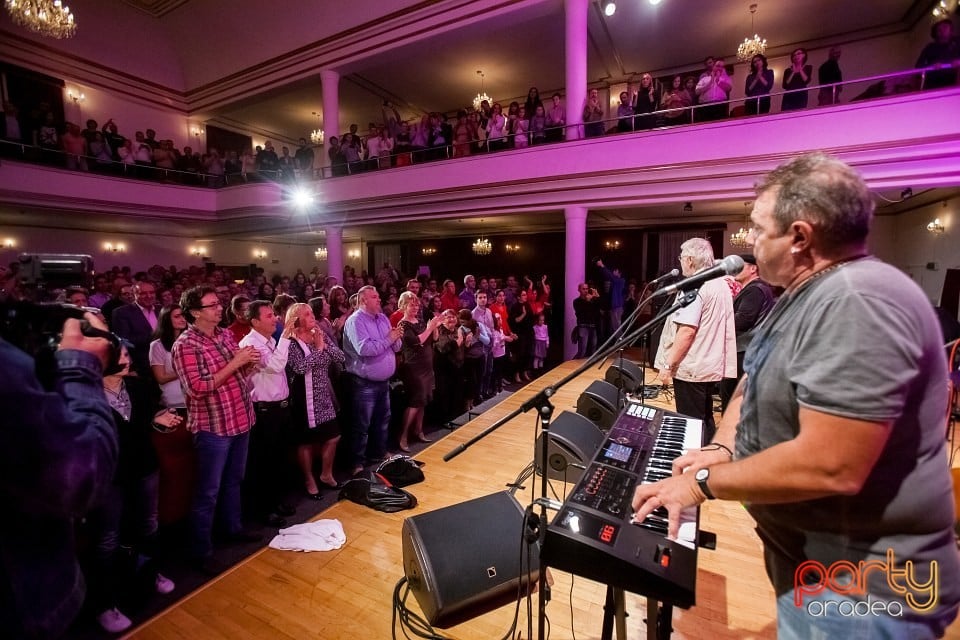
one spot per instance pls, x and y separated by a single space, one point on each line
750 307
587 309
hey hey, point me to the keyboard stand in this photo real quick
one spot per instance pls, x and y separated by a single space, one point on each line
659 620
614 610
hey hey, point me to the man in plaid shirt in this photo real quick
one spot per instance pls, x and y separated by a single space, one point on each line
212 371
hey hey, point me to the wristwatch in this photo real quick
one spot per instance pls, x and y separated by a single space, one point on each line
701 477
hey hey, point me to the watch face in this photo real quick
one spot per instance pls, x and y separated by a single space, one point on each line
702 475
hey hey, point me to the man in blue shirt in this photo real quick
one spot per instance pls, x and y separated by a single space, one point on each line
370 345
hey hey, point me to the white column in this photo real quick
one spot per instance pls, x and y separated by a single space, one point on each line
575 23
575 260
334 239
330 85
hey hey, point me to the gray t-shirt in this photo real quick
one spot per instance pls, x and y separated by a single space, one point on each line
859 341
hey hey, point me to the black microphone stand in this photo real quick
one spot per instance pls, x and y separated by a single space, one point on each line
541 402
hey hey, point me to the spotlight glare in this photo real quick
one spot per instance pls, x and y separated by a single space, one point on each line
609 9
302 197
654 2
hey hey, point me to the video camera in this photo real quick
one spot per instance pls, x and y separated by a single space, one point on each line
36 328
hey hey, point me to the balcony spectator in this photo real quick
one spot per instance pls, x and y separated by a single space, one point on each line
75 146
338 163
538 126
418 138
49 140
513 112
796 77
114 139
151 140
593 125
713 91
521 129
829 78
676 101
690 86
89 133
287 165
758 86
647 101
462 136
215 168
624 113
533 101
268 164
556 119
304 157
944 50
402 146
495 129
100 152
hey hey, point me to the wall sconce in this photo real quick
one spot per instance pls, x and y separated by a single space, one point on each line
114 247
320 253
198 251
428 251
935 227
353 254
259 254
611 245
9 243
76 96
196 131
512 248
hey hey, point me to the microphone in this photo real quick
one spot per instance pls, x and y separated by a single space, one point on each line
673 273
729 266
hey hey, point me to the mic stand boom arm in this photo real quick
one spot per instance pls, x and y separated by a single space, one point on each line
541 402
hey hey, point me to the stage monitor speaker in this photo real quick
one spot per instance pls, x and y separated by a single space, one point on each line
625 374
600 403
464 560
573 440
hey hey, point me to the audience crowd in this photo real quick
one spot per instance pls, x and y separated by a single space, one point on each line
397 142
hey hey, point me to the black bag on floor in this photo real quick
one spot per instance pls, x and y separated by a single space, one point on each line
375 492
401 471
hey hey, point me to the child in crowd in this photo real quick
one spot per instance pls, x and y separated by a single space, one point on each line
521 126
498 348
541 342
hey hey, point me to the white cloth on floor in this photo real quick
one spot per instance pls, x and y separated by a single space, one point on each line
322 535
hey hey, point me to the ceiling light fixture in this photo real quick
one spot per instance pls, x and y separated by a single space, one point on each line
751 46
320 253
481 97
43 16
609 8
316 136
482 246
739 239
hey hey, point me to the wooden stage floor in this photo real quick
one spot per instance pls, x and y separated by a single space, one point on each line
347 594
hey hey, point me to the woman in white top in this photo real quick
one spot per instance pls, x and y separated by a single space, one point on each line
495 125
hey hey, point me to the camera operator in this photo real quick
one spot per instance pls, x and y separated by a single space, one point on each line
58 451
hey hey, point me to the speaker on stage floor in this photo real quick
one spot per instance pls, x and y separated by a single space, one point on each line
573 440
464 560
600 403
625 374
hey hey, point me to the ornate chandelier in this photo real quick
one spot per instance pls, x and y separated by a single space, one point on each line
316 136
751 46
482 246
482 96
43 16
739 239
320 253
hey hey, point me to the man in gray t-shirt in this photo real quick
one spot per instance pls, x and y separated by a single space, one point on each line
834 438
